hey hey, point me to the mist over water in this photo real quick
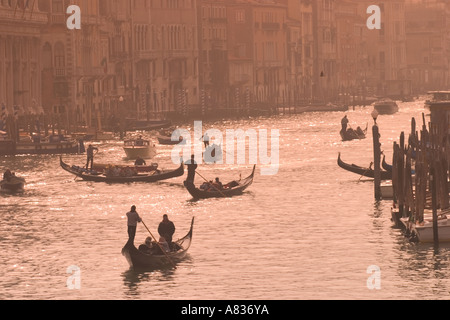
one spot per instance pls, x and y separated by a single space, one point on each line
308 232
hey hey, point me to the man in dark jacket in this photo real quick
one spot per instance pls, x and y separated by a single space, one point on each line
192 166
166 229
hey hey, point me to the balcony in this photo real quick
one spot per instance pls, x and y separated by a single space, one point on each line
270 26
59 72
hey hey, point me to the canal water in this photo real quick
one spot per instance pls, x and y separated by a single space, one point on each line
312 231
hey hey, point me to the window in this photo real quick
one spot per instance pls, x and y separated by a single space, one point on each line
240 16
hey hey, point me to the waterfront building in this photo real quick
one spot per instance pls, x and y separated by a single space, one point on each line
20 63
428 44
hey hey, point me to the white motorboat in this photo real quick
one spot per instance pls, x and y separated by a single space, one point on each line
144 149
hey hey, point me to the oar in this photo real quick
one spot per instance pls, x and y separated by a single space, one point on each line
162 249
223 194
366 171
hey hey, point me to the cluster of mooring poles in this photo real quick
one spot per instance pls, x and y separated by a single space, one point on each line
420 172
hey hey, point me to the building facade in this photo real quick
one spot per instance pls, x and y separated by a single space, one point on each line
20 63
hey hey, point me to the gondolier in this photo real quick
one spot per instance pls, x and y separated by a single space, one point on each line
132 221
192 166
344 123
90 156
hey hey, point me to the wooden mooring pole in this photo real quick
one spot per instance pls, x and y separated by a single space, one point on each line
376 156
434 205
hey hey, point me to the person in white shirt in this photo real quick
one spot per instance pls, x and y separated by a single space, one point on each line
133 219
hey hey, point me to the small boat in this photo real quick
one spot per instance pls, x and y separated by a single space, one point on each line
144 149
146 125
365 172
125 176
388 167
423 232
54 144
387 190
230 189
140 260
386 106
167 141
385 165
14 184
352 134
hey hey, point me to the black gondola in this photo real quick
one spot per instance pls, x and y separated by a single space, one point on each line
95 176
167 141
365 172
385 165
14 184
233 188
140 260
351 134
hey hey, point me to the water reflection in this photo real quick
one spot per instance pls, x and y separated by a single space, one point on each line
134 279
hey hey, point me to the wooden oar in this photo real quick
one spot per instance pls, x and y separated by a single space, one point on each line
365 172
162 249
223 194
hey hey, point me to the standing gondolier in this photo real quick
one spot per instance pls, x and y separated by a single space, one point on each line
133 219
344 123
90 156
192 166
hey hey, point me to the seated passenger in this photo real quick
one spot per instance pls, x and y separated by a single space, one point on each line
140 162
163 243
7 175
147 247
218 184
205 186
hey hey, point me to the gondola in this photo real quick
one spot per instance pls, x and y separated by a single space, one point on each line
388 167
365 172
14 184
351 134
233 188
140 260
95 176
167 141
385 165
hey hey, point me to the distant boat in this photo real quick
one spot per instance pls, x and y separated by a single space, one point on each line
14 184
124 176
361 171
140 260
386 106
167 141
144 149
352 134
147 125
54 144
230 189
